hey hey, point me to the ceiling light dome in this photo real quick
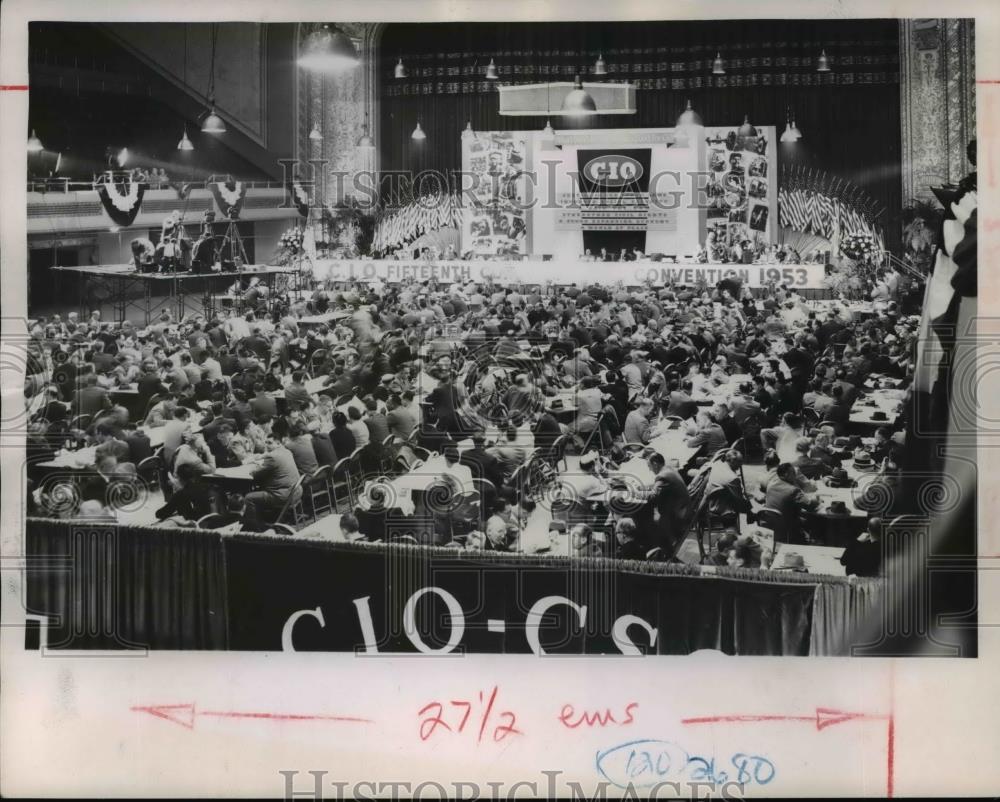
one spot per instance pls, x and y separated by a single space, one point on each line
185 143
213 123
578 100
746 129
34 143
688 117
328 50
600 66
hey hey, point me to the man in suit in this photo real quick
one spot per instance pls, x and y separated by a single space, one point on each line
679 401
706 434
377 423
299 442
664 516
725 492
546 429
784 495
482 464
742 407
322 445
807 465
277 478
148 384
262 405
638 428
225 450
139 447
90 399
296 394
400 418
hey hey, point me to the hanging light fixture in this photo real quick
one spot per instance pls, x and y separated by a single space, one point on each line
491 71
788 135
315 135
718 65
688 117
791 133
578 101
548 130
746 129
185 143
796 131
365 140
468 133
34 143
600 66
213 123
418 134
328 49
401 71
823 63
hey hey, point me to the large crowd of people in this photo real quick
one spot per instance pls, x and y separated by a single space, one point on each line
617 421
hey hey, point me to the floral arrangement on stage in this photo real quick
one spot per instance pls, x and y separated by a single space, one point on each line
290 246
859 247
846 282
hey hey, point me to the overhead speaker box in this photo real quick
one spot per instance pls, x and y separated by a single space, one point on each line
546 100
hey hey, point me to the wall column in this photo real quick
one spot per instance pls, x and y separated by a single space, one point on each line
938 102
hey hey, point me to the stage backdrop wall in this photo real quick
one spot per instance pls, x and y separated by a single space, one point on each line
850 117
561 194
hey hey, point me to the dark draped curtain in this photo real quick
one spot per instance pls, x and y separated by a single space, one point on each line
734 612
105 586
850 117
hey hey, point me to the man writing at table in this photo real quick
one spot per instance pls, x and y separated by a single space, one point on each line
638 427
706 432
784 495
276 478
726 476
296 394
590 484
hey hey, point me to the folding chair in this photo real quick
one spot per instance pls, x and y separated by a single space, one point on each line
317 489
770 518
293 507
708 522
557 453
340 484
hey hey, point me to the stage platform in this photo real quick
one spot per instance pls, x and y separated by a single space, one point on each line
126 289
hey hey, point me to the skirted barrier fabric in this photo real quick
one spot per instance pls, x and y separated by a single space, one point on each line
119 587
115 587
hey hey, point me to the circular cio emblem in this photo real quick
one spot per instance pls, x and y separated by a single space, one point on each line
612 170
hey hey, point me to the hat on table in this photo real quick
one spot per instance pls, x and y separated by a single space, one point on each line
790 561
838 508
863 460
839 478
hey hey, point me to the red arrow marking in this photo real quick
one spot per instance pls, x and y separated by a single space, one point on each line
186 714
823 718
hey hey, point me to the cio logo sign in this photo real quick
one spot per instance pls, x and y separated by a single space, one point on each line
612 170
